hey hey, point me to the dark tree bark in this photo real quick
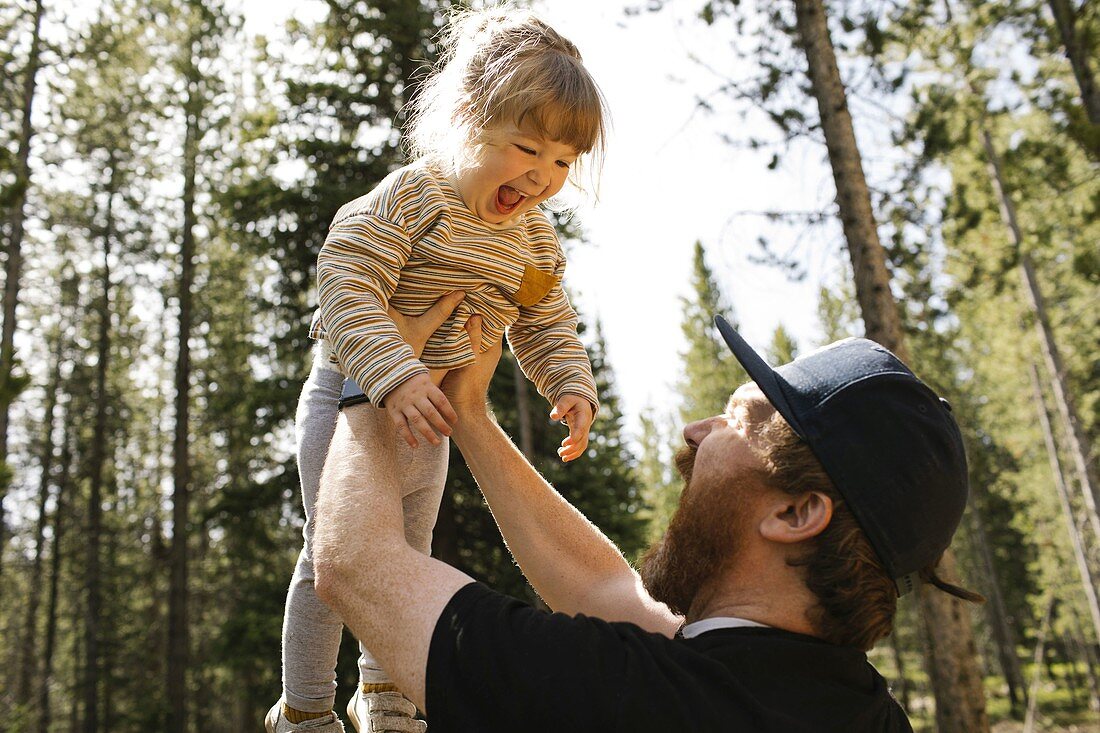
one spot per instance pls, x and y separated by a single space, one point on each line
178 621
1003 635
902 691
1065 18
953 664
92 580
1085 651
1088 580
1077 443
9 385
60 520
1037 667
28 665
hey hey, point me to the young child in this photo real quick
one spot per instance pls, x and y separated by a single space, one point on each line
496 131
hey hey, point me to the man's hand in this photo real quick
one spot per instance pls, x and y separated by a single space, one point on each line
416 330
417 404
467 387
576 412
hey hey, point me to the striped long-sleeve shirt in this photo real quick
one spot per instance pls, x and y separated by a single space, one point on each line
412 240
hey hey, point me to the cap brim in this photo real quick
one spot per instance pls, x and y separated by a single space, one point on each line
766 378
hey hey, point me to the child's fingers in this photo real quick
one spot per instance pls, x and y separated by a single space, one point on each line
568 455
402 426
419 424
436 421
441 403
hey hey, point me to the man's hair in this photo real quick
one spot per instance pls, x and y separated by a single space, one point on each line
856 598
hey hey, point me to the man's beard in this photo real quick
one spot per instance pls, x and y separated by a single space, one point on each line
700 539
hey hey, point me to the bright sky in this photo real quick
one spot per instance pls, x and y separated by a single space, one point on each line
667 182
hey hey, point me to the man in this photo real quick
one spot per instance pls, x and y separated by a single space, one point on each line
823 489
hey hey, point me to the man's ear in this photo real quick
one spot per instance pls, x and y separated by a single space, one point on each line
798 518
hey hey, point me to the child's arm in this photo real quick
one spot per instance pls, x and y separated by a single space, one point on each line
545 341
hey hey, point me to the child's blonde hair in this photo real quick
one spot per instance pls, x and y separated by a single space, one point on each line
503 66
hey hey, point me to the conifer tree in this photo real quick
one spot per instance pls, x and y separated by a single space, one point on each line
13 198
783 348
659 486
711 373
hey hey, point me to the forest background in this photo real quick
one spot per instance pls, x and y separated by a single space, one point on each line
167 173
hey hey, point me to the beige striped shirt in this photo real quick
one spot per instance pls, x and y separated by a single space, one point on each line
412 240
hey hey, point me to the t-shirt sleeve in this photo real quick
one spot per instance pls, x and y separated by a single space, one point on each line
496 664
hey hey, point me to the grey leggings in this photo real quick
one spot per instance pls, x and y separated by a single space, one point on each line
311 630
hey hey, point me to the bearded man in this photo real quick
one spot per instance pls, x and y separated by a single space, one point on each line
822 491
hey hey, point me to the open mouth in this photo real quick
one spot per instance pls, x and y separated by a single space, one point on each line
508 200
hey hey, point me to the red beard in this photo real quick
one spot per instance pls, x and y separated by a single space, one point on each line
701 538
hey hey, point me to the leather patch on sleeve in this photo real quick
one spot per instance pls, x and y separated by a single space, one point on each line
534 286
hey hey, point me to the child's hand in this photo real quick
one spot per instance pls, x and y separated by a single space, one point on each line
577 413
417 405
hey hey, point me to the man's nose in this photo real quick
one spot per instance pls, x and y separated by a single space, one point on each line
696 431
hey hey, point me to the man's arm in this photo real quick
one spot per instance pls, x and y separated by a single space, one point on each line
388 594
568 560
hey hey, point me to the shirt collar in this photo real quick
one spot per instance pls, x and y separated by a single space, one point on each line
692 630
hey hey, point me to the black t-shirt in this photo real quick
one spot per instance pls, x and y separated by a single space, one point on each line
498 665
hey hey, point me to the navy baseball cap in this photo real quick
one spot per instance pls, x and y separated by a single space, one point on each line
889 443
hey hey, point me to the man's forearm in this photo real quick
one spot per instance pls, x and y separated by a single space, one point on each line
389 594
573 566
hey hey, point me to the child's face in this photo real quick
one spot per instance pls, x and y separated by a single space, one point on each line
516 172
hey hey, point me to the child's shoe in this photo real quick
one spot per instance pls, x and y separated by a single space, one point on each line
382 709
276 722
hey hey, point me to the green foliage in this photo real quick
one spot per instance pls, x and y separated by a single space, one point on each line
711 373
660 487
783 348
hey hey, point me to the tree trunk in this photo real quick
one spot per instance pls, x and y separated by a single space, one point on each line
899 665
178 623
1063 396
9 386
1003 635
1073 674
64 489
1037 672
1065 17
953 659
953 665
876 302
1085 651
92 583
28 666
1088 581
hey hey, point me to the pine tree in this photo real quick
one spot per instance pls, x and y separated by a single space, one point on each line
107 70
660 488
783 348
14 198
711 373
